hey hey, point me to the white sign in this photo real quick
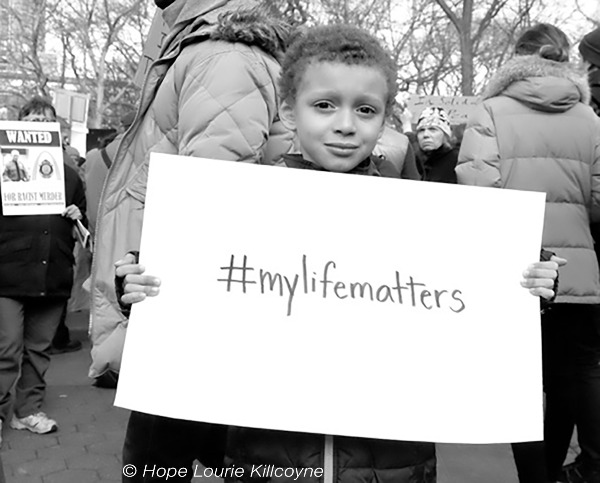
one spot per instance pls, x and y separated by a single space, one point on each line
72 106
33 181
337 304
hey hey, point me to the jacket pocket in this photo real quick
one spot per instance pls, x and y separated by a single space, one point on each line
137 186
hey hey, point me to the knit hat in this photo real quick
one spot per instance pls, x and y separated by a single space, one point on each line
589 47
434 117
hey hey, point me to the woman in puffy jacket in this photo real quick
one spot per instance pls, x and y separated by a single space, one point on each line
535 131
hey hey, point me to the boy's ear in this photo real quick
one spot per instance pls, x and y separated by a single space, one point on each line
287 115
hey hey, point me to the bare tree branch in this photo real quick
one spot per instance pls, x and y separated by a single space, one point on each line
451 15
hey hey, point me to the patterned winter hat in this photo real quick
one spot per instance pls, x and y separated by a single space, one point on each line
435 117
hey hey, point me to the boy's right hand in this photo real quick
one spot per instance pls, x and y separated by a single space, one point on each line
136 286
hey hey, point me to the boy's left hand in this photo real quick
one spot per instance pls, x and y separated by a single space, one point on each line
540 276
72 212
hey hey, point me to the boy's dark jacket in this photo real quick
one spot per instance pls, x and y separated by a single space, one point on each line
36 252
369 167
355 460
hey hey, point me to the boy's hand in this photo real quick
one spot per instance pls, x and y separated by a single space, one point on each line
540 276
72 212
136 286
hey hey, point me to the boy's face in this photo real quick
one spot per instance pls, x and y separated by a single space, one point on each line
338 115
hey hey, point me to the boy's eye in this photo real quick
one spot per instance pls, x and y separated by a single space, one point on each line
323 105
368 110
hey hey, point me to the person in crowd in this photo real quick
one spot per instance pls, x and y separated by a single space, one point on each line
63 342
589 48
71 154
36 277
436 146
210 94
337 87
535 131
98 162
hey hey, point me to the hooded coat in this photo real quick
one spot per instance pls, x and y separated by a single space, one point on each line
210 93
534 131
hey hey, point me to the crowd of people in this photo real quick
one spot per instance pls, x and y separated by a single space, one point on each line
234 82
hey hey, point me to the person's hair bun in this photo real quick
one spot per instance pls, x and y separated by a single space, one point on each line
553 52
545 40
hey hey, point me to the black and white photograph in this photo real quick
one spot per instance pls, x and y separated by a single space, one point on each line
176 307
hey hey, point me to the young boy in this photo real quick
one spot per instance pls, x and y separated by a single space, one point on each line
337 87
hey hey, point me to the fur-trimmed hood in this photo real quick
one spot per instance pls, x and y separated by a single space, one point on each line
541 83
243 21
253 27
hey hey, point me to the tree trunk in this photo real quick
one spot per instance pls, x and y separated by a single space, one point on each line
466 65
466 49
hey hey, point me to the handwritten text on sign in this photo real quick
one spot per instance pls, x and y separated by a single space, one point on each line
308 282
458 108
352 284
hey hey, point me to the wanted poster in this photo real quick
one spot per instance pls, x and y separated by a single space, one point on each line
33 181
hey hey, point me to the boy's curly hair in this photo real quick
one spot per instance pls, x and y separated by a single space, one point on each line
344 44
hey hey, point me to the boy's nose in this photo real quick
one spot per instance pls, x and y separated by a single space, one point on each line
345 121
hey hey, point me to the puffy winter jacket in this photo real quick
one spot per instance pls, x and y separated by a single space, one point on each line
394 147
211 93
535 131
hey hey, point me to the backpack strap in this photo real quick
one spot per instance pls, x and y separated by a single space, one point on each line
105 158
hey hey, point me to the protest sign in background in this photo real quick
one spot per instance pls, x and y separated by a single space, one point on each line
339 304
458 107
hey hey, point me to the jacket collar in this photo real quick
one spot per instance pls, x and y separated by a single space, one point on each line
366 167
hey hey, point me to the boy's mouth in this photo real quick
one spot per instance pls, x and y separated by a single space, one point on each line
342 148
